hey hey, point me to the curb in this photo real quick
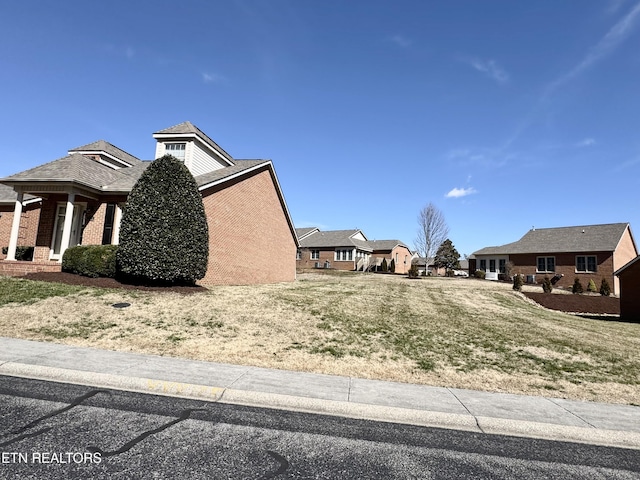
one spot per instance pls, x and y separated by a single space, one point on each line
484 425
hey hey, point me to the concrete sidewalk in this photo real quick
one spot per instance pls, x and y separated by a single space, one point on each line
482 412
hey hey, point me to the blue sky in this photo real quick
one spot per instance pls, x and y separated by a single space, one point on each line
505 115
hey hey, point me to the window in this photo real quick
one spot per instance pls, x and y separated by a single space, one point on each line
109 217
175 149
492 265
298 254
546 264
502 265
315 254
586 263
483 265
344 255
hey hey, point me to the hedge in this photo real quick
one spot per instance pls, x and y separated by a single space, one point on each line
91 260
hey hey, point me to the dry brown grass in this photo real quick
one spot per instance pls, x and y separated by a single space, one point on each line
460 333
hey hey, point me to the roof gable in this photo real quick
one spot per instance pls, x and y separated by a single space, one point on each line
189 130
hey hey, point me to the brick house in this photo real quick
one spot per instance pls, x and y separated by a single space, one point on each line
348 250
78 200
629 276
584 252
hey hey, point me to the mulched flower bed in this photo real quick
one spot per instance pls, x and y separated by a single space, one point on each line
594 304
102 282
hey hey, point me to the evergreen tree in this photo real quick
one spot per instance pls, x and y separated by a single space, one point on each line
577 286
605 289
592 286
384 266
392 266
546 285
447 256
164 236
518 281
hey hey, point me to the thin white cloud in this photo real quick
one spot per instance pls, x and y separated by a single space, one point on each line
607 44
401 41
627 164
212 78
491 69
129 53
587 142
460 192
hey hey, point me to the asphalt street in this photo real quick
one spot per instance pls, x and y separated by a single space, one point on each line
52 430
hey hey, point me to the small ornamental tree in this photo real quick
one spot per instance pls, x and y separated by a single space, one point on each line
518 281
546 285
392 266
413 271
577 286
164 236
605 289
592 286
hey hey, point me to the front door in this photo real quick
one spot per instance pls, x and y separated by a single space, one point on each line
76 228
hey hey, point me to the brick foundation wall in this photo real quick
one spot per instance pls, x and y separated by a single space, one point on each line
250 241
17 269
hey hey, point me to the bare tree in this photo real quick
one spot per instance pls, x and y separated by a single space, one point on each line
432 231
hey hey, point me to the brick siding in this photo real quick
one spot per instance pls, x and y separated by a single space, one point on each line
629 288
566 264
28 225
249 237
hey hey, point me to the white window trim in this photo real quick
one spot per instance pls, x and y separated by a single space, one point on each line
546 264
586 264
316 257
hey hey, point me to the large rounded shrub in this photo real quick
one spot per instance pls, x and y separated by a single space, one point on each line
163 234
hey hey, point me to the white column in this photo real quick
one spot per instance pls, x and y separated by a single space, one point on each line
68 221
116 225
15 228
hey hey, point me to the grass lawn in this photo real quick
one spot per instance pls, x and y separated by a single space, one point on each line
449 332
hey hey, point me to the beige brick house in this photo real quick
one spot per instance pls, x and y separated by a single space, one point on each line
78 200
585 252
348 250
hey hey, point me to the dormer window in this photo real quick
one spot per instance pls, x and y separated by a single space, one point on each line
176 149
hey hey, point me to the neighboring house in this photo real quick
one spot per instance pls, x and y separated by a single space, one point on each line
391 250
431 269
78 200
586 252
337 249
348 250
629 276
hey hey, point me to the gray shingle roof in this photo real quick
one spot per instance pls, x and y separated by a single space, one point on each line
222 173
75 168
334 239
104 146
586 238
9 196
385 244
190 128
302 232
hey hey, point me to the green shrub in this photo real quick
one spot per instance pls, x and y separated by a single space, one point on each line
164 236
413 271
592 286
24 254
605 289
91 260
577 286
518 281
480 274
392 266
546 285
